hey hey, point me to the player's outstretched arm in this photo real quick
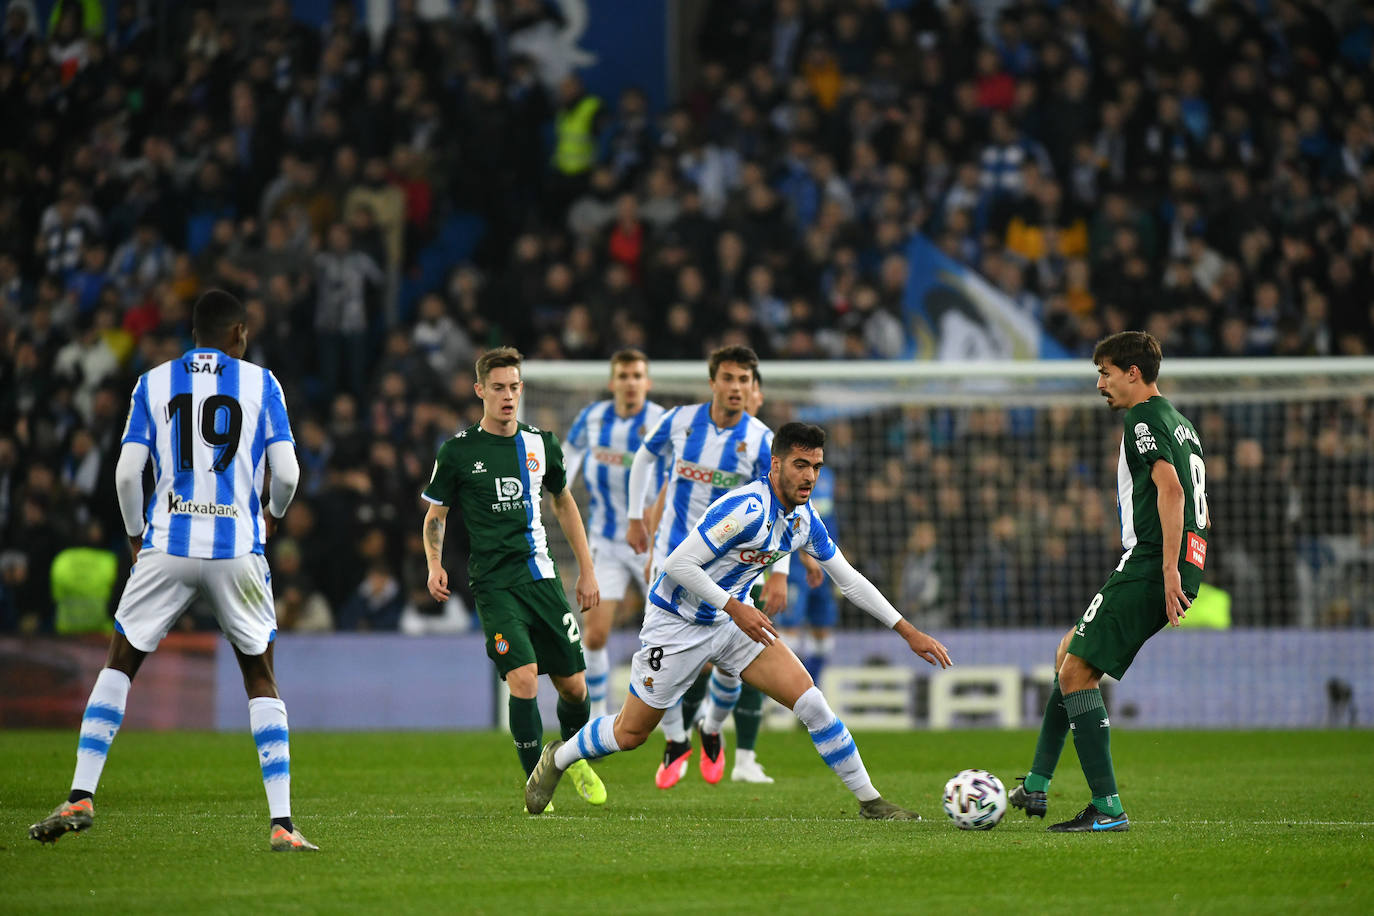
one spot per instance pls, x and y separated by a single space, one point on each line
570 520
856 587
436 519
1169 500
685 566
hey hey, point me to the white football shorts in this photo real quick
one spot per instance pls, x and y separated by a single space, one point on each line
617 567
672 652
162 586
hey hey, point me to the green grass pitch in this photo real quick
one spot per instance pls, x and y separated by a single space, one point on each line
1252 822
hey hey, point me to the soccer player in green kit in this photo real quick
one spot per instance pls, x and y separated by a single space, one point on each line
495 470
1161 485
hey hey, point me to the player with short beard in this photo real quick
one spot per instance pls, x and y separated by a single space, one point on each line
696 615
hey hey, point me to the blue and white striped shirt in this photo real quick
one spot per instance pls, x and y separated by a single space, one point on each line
707 462
207 419
747 531
601 446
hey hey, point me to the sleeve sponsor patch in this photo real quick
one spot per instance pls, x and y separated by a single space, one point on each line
1145 439
724 529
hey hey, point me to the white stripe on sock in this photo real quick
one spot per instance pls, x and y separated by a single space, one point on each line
99 725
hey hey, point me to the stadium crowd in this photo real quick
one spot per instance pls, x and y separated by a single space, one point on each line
1207 176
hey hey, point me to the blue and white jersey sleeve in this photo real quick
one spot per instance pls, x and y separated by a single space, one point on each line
139 427
277 425
732 519
575 446
819 544
660 438
763 462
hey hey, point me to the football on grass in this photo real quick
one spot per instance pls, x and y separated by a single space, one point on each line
975 800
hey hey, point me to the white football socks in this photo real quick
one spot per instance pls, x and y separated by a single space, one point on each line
99 725
267 718
722 693
834 743
598 674
593 740
674 729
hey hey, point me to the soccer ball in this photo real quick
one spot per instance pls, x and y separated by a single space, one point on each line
975 800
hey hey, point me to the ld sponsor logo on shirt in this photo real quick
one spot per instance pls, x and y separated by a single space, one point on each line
1197 550
509 488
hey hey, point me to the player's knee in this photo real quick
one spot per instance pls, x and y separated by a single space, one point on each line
523 682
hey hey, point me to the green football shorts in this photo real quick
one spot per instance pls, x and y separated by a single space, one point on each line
531 624
1121 617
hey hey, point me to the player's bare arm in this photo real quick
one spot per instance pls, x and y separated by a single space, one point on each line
1169 499
570 520
436 520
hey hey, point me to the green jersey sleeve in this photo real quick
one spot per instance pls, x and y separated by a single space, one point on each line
1147 437
556 477
443 481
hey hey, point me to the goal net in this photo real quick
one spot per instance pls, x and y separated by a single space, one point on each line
981 495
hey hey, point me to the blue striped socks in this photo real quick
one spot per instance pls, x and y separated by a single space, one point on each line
593 740
598 674
99 725
267 718
721 696
834 743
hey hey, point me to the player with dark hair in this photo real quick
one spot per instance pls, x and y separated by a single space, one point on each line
212 423
697 614
1161 488
497 470
712 447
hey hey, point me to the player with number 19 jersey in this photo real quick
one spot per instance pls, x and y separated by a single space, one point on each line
496 481
207 420
1155 431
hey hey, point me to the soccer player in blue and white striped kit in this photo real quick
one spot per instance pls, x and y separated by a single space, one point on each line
211 423
601 445
712 447
696 615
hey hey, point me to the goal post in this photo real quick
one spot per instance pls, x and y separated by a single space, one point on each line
981 495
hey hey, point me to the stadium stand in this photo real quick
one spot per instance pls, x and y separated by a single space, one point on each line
1201 170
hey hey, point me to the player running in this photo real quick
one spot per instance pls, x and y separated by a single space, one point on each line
211 423
712 448
603 439
497 470
1161 489
696 615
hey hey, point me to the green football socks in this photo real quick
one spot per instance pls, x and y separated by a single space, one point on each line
572 716
1092 737
527 729
748 717
1054 729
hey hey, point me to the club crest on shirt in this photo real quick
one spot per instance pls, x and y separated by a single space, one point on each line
649 684
742 448
502 647
1144 439
531 462
796 523
723 529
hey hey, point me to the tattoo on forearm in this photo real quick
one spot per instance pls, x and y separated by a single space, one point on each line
434 538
